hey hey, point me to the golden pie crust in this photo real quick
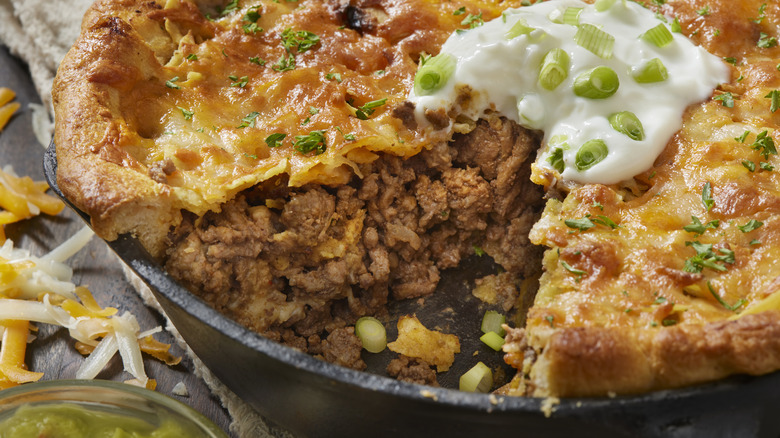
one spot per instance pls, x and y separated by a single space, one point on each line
160 109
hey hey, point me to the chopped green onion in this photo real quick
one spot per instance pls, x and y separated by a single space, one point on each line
590 154
629 124
521 27
603 5
598 83
434 74
371 333
676 26
595 40
492 322
556 160
652 71
659 36
493 340
572 16
555 69
478 379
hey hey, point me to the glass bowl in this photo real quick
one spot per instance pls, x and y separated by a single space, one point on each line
60 401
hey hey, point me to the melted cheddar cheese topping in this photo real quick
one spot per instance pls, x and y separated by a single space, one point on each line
266 88
697 237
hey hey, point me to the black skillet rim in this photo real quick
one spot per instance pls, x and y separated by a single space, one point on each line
130 251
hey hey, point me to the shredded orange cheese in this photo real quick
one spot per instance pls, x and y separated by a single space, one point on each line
7 109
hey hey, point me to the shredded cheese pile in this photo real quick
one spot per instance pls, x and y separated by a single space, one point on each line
39 290
7 109
22 198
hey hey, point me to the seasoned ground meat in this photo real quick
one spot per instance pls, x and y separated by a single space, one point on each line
343 347
414 370
300 265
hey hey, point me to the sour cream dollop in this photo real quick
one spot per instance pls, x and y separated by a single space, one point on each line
504 74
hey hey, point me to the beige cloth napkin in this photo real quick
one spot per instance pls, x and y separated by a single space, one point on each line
40 32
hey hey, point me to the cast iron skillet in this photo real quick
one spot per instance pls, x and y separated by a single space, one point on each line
314 398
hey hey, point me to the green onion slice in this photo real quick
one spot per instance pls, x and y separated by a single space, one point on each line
531 111
627 123
519 28
434 74
590 154
477 379
595 40
572 16
371 333
659 36
555 69
493 340
598 83
652 71
492 322
603 5
556 160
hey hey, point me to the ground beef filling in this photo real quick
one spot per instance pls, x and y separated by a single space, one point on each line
300 265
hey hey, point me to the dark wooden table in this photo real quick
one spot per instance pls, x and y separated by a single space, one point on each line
53 352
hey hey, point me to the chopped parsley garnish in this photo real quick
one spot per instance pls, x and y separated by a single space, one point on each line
730 60
550 319
230 7
660 300
775 96
707 258
186 113
300 40
249 120
252 156
733 308
603 220
478 251
749 165
333 77
698 228
286 62
742 137
761 14
294 41
275 140
366 110
460 11
726 99
750 226
765 144
579 224
668 322
597 204
704 11
239 82
192 57
766 166
313 141
765 41
171 83
312 111
251 16
706 196
257 60
348 137
577 272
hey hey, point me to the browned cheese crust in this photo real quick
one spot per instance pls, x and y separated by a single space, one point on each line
166 106
660 301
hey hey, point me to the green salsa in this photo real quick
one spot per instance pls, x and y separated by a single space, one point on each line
64 420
